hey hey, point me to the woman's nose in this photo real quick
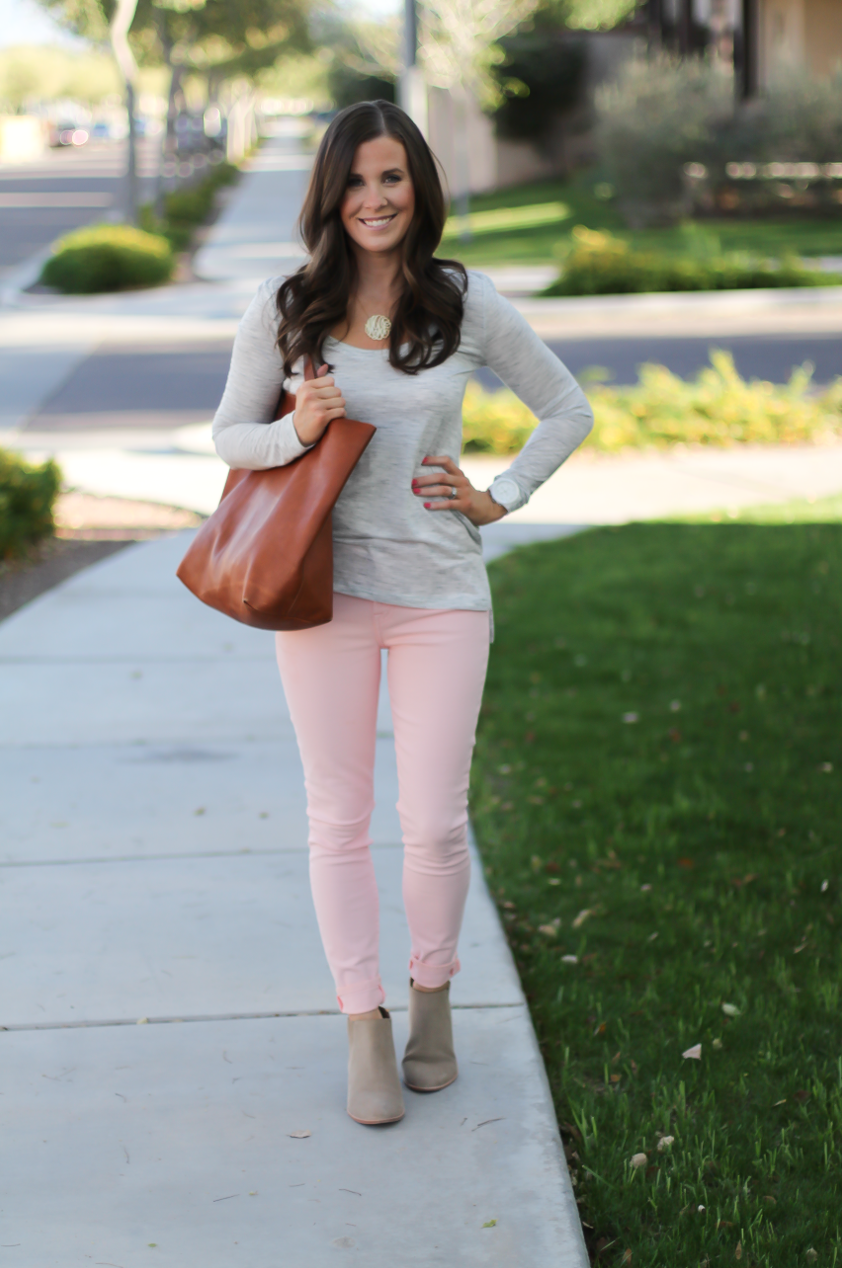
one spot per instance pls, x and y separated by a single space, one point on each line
374 197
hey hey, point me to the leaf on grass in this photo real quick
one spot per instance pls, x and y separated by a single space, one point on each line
573 1129
694 1053
688 863
717 1043
665 1142
299 1135
772 1201
489 1224
582 916
627 1256
638 1160
826 768
811 1255
551 931
730 1010
570 959
644 889
652 937
631 717
738 1253
600 1030
801 1097
777 1103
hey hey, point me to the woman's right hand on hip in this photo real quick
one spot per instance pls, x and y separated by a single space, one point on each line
317 402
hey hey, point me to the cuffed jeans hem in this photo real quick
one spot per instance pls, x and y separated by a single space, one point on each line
432 975
361 997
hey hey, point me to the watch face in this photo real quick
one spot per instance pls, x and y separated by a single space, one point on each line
505 491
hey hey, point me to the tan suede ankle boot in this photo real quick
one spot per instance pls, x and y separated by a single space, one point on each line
429 1063
374 1089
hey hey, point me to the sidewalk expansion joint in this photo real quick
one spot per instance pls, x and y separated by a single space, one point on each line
143 658
174 1021
164 858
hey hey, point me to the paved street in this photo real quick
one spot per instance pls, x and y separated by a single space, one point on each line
66 188
772 357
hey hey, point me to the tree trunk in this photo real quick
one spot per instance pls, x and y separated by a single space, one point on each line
131 198
168 140
462 172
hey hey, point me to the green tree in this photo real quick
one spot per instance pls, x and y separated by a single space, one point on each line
220 39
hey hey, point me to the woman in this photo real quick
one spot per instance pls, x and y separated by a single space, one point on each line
395 334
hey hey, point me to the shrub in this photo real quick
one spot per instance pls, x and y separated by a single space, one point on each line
108 258
494 422
186 209
716 408
599 264
669 134
658 115
27 495
193 205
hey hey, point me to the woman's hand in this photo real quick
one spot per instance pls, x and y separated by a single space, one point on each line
317 402
480 508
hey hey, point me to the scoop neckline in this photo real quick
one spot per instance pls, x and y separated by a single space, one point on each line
340 343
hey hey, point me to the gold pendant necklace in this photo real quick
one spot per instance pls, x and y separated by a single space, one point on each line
378 327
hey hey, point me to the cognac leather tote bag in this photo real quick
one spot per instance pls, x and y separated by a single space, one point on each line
265 555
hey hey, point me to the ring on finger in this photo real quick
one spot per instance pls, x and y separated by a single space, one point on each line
454 492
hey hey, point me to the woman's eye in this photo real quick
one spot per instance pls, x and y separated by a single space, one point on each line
354 182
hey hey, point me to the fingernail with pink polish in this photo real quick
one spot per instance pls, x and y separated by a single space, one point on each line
427 506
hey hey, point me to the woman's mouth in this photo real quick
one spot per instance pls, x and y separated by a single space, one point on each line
376 222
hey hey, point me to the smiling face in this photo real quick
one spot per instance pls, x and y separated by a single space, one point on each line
379 201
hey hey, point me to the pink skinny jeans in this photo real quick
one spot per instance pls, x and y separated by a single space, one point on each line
331 677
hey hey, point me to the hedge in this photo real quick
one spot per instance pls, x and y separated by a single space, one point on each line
27 497
186 209
668 130
108 258
717 408
598 264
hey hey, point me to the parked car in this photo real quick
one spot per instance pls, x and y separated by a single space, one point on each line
68 133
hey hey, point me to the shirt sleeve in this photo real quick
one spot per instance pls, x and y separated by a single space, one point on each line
526 365
244 433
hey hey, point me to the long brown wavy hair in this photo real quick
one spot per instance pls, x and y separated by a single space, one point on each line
426 326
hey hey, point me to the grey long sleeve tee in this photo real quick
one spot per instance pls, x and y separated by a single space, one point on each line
387 547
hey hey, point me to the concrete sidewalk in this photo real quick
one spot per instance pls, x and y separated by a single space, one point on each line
170 1024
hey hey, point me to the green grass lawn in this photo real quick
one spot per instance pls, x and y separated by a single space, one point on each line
656 794
534 243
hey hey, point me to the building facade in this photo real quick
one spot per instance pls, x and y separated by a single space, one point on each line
765 38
